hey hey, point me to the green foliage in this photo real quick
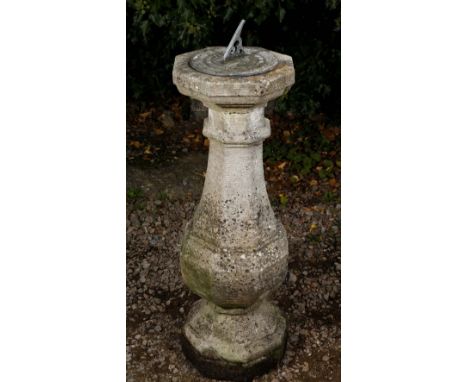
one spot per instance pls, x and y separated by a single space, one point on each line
309 150
162 195
134 193
275 151
283 199
327 170
302 157
330 197
314 238
308 30
302 162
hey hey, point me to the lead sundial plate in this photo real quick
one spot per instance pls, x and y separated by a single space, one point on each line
254 61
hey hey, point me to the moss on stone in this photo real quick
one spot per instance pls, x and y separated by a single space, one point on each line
195 277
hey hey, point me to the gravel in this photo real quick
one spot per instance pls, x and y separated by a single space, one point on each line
158 301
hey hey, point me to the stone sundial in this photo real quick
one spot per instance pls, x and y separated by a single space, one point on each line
234 252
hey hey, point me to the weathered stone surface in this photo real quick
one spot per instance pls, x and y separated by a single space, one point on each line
236 345
234 251
232 91
241 338
198 111
234 277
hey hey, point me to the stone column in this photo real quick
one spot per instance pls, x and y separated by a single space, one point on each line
234 251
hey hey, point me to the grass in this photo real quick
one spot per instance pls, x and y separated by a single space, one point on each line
134 193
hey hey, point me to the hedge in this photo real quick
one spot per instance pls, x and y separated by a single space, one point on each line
308 30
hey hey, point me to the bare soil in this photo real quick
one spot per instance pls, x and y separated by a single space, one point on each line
160 200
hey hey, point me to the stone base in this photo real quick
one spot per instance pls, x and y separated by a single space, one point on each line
236 344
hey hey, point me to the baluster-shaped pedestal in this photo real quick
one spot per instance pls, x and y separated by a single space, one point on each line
234 251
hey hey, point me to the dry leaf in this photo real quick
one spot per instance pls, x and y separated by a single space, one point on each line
294 179
143 116
282 165
135 144
313 182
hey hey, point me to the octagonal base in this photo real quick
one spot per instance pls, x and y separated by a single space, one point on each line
235 344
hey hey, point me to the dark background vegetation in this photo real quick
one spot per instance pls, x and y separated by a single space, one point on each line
307 30
304 149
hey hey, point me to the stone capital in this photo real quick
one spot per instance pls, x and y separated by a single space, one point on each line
233 92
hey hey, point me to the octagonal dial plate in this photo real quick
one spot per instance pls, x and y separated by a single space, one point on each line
255 61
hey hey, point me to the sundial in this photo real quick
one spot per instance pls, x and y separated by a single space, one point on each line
234 252
235 60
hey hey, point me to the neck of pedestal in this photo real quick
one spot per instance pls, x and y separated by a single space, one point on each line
242 126
234 210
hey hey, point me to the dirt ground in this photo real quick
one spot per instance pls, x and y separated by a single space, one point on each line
166 164
158 301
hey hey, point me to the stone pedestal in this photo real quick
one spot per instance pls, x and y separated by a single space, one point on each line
234 251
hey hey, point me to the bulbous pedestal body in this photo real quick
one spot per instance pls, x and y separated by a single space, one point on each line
234 251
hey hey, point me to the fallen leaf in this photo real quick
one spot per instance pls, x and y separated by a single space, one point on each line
159 131
135 144
294 179
145 115
282 165
166 119
283 199
331 133
313 182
